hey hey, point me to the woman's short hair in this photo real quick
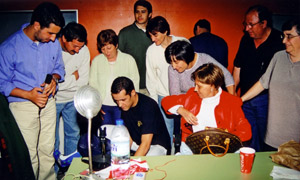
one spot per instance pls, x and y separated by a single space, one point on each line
158 24
288 25
209 74
180 50
105 37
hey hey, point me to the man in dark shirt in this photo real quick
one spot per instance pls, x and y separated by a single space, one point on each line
256 50
206 42
143 119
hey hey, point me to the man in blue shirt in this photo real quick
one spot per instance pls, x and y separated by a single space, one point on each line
26 58
206 42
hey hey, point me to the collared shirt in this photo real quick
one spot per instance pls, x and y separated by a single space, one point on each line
140 28
254 61
282 79
24 64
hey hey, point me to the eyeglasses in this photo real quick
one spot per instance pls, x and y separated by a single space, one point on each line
289 36
250 25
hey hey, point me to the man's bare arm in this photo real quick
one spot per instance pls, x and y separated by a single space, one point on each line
33 95
145 145
236 76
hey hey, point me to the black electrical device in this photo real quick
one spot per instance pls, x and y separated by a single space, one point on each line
47 80
101 154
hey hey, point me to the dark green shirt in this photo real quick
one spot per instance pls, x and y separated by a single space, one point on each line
13 149
135 42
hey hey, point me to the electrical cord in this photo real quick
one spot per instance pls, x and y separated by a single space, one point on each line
165 172
74 176
37 145
48 80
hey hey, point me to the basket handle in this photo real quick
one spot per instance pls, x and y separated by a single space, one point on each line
226 142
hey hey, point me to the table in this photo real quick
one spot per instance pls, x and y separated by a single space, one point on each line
197 167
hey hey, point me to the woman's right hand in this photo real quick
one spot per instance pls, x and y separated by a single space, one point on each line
188 116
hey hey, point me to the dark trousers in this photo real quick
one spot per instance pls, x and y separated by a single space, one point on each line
256 111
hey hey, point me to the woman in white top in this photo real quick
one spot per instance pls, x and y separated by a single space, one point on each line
106 67
157 81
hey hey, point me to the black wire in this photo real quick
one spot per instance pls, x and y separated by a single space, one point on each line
37 145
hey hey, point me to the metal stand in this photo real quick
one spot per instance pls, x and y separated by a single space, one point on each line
91 175
87 101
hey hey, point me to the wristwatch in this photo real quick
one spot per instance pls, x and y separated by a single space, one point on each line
55 79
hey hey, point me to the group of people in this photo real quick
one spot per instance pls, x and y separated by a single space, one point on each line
159 84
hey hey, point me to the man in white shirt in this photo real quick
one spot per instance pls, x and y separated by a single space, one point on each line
76 57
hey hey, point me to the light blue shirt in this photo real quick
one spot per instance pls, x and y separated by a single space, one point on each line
24 64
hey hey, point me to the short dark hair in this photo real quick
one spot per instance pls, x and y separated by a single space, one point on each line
203 23
143 3
107 36
75 31
158 24
263 14
47 13
180 50
121 83
294 22
209 74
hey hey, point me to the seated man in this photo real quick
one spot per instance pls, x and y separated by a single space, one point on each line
143 119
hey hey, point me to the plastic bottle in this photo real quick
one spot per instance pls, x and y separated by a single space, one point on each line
120 151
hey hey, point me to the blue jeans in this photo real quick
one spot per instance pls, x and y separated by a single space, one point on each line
256 111
169 121
71 128
111 114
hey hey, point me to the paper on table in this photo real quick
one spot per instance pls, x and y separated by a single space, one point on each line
282 173
104 173
136 165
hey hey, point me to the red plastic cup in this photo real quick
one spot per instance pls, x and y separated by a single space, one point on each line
246 158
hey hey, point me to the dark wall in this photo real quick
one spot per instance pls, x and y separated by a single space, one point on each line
11 21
